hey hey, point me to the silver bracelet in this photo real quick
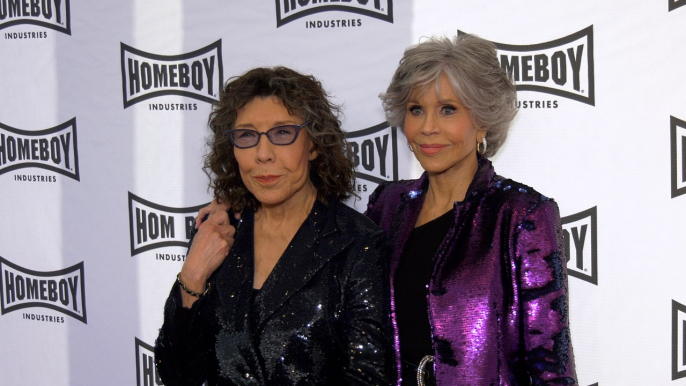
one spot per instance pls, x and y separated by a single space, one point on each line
190 291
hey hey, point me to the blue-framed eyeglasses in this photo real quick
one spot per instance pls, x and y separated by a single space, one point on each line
279 135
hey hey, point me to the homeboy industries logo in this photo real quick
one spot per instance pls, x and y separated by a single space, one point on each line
678 340
374 154
61 290
156 226
677 139
580 232
53 14
146 371
562 67
198 74
289 10
52 149
674 4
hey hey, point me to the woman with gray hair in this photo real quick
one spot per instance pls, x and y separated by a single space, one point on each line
479 284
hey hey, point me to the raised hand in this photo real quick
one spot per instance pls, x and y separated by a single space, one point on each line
213 207
210 247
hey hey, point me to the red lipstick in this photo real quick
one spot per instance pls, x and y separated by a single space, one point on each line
431 149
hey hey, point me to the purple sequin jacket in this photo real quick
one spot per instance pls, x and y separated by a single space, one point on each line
498 291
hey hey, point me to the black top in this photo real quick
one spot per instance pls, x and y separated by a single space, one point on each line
321 317
254 312
411 281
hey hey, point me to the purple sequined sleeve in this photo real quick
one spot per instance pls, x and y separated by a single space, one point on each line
543 303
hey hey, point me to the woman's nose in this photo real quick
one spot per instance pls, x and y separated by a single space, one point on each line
430 125
264 150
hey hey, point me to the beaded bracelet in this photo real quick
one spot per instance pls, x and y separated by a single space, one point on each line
190 291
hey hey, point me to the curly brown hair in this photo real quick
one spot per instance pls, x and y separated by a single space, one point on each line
302 95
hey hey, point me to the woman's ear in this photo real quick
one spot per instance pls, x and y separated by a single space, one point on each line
313 152
480 135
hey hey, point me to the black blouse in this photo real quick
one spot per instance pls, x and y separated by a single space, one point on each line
412 279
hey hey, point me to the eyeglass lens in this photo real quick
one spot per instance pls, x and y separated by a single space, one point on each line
281 135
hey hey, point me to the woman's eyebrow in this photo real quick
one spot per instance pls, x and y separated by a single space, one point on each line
249 125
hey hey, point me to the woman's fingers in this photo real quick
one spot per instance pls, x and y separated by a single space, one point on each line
213 207
201 214
229 232
210 247
219 217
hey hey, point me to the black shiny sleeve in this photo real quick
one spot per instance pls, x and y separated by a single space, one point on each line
367 334
372 211
182 351
182 348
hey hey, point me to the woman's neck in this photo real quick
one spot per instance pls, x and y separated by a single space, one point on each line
445 189
291 212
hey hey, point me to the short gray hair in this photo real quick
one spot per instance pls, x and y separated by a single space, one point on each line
472 68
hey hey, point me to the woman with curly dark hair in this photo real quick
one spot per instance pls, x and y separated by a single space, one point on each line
297 292
477 267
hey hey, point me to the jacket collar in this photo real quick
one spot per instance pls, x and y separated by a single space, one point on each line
482 178
318 240
412 200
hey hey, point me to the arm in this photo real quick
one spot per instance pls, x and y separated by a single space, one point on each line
367 332
209 246
374 211
548 355
182 349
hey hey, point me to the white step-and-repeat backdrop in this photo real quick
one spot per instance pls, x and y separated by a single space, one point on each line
103 112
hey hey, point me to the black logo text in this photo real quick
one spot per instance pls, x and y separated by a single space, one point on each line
146 372
374 153
562 67
674 4
581 245
62 290
289 10
156 226
53 14
678 146
198 74
678 340
53 149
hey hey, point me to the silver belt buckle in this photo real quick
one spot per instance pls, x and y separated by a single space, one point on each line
421 374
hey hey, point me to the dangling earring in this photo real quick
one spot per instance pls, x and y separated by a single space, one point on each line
484 145
410 147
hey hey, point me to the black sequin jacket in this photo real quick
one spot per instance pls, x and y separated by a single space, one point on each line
322 315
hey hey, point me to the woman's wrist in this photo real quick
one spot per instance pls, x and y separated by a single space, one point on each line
191 291
193 282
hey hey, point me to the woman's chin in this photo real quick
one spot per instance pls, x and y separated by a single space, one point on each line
270 199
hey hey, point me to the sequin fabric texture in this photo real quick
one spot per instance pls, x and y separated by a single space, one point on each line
322 317
498 290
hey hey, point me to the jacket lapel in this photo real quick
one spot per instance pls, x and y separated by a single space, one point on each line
464 213
235 277
404 218
235 346
315 243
